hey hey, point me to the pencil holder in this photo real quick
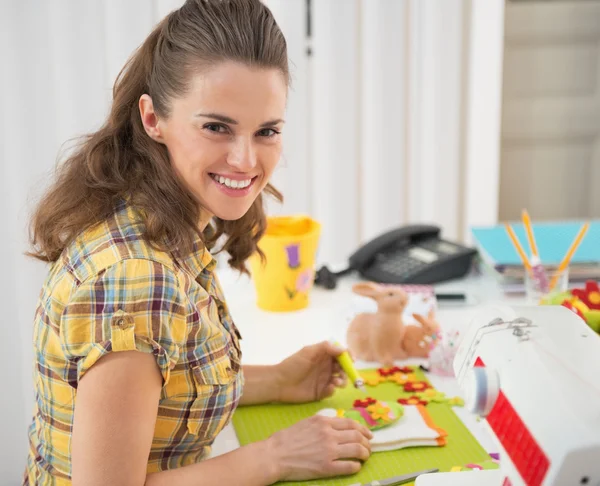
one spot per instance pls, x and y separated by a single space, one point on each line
536 295
284 281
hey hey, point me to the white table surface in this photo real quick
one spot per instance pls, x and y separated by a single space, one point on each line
267 337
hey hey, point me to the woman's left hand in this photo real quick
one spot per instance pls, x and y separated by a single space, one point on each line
311 374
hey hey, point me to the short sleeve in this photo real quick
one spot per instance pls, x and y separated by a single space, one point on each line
134 304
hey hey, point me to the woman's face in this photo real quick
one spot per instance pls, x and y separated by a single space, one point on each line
224 135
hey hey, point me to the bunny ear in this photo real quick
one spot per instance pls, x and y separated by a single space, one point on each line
420 319
368 289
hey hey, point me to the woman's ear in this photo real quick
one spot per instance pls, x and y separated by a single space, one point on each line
149 118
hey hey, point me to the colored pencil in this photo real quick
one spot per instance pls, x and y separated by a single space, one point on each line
518 247
567 259
530 236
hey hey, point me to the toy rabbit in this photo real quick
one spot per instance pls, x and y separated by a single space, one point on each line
421 338
378 336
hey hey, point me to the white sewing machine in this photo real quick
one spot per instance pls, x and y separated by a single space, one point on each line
533 374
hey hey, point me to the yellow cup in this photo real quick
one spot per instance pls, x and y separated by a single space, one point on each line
284 281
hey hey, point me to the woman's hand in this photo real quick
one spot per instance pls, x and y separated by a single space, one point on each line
311 374
320 447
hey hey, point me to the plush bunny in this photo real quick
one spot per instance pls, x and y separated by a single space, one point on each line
378 336
421 338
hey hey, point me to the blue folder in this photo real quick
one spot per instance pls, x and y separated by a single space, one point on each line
553 241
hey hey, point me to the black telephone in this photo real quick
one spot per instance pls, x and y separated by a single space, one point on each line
414 254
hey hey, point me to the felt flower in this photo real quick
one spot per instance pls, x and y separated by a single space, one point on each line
414 400
590 295
432 395
406 370
379 412
364 403
386 372
574 308
456 401
373 380
293 255
416 386
398 378
304 280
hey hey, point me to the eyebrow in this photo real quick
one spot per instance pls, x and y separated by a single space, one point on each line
231 121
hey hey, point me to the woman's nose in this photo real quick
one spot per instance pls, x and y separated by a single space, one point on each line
242 155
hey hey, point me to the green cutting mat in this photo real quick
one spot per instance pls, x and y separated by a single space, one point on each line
257 422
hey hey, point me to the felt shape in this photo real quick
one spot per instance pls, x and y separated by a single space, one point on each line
577 310
414 400
386 371
414 429
416 386
373 380
590 295
398 378
379 411
456 401
374 416
432 395
406 370
364 403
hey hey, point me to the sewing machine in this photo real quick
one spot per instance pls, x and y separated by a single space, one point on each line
533 375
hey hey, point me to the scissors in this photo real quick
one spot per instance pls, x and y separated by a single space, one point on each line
397 480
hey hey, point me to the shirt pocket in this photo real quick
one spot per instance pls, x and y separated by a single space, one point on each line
215 397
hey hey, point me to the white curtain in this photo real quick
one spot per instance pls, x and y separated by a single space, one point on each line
374 137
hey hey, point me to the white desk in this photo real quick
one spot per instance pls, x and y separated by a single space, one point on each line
270 337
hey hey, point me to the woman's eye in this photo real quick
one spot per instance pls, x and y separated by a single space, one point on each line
216 128
268 132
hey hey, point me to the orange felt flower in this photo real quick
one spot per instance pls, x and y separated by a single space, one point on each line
373 380
386 371
416 386
398 378
414 400
379 412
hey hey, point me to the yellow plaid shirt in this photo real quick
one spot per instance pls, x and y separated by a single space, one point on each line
110 292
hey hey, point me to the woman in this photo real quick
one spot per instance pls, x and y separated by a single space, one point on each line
137 357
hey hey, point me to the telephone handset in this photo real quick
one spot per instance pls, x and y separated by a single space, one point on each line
414 254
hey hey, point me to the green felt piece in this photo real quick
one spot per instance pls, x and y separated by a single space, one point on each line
396 409
257 422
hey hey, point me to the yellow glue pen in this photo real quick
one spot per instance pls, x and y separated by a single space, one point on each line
345 361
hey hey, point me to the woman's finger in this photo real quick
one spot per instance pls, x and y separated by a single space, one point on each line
339 423
353 437
339 381
353 451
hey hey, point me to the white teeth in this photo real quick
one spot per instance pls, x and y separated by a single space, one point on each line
233 184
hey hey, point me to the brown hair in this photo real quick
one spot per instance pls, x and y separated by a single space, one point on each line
120 161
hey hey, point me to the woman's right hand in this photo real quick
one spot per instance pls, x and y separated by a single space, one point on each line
320 447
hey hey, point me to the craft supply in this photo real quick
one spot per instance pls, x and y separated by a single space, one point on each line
347 364
371 413
258 422
520 368
284 280
397 480
566 260
537 269
518 247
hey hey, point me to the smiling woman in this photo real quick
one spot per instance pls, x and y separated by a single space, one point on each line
223 135
138 360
